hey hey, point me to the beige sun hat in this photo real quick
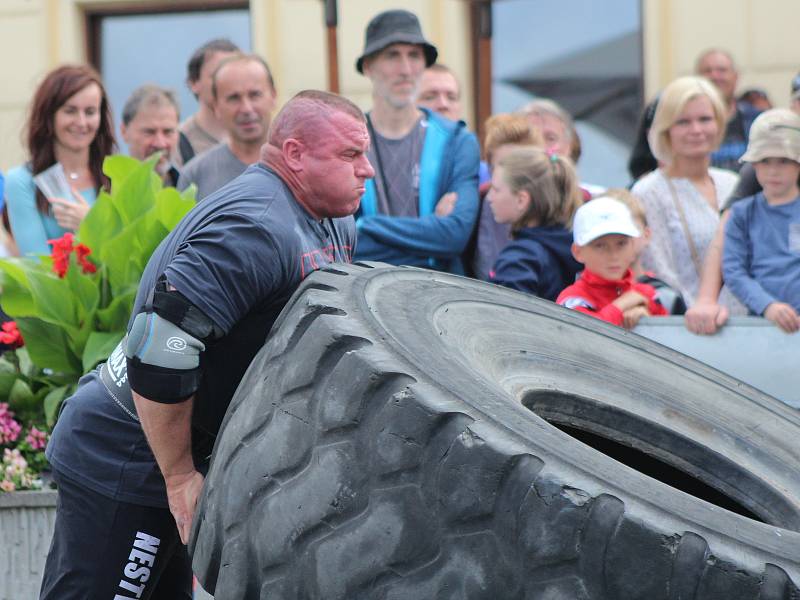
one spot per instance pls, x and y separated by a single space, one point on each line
774 134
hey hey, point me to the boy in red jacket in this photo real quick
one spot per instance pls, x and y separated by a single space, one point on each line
603 232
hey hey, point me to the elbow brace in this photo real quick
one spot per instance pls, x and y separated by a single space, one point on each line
163 348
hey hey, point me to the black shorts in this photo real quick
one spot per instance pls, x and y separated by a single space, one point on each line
113 550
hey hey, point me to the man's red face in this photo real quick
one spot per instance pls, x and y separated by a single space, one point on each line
336 167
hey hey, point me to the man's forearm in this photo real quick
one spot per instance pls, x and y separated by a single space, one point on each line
168 431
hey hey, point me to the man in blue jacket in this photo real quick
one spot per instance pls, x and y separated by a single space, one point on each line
418 157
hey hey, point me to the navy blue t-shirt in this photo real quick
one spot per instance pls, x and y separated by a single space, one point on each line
238 257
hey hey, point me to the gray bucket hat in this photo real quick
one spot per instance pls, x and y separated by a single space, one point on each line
395 27
774 134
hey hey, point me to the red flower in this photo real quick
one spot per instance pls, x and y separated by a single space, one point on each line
81 252
10 335
62 248
62 245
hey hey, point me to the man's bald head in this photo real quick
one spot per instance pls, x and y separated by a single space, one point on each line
309 112
318 145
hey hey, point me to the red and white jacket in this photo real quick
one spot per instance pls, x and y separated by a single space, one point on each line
593 295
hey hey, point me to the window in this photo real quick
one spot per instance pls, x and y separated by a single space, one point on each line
585 55
133 48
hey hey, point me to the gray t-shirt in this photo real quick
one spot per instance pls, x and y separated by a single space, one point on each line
197 137
211 170
398 168
238 257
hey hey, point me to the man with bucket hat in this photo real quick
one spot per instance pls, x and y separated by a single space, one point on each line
418 156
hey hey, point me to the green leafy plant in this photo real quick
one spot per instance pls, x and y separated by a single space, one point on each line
72 307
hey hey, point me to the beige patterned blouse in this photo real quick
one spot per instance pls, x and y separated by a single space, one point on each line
668 256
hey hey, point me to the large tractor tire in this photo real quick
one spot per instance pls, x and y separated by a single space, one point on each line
406 434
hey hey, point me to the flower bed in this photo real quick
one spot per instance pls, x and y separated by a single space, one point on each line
23 456
71 308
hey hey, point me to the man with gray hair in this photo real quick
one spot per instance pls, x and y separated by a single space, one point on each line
717 65
556 126
149 125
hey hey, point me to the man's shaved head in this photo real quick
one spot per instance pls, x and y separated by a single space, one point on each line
308 112
318 145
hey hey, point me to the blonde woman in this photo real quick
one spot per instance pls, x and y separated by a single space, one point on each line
683 198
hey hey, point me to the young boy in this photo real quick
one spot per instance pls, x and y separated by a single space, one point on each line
603 232
761 254
668 297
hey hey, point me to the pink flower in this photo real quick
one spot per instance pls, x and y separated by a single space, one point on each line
37 439
7 486
9 428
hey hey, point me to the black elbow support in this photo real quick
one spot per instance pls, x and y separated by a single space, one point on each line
163 360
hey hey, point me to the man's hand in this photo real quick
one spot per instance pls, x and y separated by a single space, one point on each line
705 317
629 300
784 316
446 204
69 213
183 490
631 316
168 428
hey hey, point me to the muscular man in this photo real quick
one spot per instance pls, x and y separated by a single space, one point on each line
419 157
150 125
202 130
131 445
244 97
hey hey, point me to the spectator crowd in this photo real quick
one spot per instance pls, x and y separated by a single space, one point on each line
709 226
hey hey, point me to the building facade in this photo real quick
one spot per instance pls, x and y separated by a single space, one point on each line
37 35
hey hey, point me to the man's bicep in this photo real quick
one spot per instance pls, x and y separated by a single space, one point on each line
226 272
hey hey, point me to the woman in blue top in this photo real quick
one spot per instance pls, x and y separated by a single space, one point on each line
69 123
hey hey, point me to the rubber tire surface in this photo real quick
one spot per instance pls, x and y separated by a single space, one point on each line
384 445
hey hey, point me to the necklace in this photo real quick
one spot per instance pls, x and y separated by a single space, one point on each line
72 176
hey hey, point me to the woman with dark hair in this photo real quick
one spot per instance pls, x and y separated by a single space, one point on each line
70 124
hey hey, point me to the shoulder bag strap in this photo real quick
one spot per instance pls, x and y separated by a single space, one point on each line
682 215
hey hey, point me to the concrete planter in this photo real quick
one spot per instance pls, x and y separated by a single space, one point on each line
26 526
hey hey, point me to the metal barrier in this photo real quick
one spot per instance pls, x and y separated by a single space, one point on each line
751 349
